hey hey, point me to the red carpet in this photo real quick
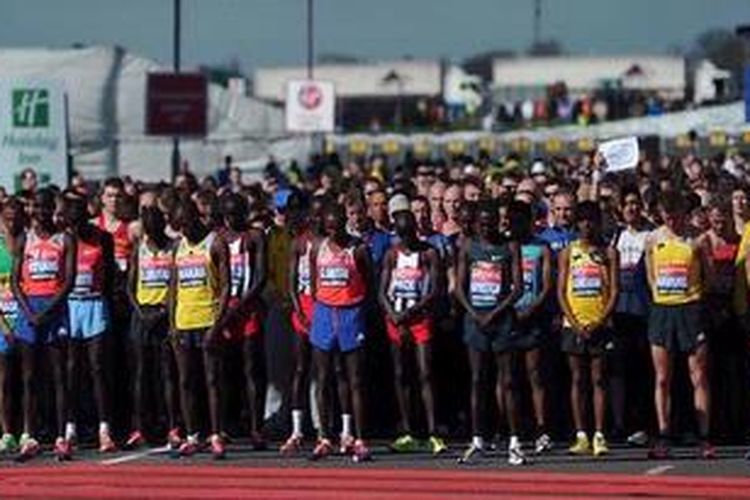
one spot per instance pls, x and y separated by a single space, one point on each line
194 482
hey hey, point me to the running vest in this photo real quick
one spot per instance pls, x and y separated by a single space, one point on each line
532 265
303 270
723 258
241 267
585 286
633 290
408 281
676 270
489 274
8 304
89 280
121 237
154 275
339 282
43 265
197 285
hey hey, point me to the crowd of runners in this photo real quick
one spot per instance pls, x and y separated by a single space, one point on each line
454 298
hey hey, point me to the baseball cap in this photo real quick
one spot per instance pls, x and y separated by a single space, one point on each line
398 203
281 198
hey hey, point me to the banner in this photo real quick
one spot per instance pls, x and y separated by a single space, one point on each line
33 131
176 104
310 106
620 154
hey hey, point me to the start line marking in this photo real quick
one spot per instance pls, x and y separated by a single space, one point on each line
659 470
135 456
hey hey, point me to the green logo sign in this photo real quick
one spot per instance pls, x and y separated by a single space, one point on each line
30 108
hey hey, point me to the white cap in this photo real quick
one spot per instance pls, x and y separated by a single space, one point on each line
538 168
398 203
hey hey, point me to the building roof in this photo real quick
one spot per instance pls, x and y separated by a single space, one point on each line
590 72
377 79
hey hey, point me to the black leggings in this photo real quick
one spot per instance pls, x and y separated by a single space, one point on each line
188 364
95 352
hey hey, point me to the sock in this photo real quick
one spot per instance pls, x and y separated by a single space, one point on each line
581 435
70 431
346 424
514 442
103 428
477 441
296 422
24 437
193 438
598 435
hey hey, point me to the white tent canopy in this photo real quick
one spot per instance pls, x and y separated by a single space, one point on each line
106 89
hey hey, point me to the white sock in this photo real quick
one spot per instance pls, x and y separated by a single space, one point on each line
193 438
598 435
296 423
477 441
346 424
514 442
70 431
581 435
103 428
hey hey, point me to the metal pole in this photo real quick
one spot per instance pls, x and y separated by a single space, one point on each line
310 40
176 64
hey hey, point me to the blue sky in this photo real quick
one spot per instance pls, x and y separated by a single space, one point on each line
272 32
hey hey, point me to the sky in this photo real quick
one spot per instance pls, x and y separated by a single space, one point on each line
272 32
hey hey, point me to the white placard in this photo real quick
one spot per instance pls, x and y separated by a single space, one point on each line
310 106
33 130
620 154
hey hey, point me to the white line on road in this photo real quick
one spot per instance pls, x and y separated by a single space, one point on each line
134 456
657 471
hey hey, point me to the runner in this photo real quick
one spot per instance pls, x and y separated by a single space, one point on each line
11 229
340 270
488 284
678 270
198 298
408 289
89 317
244 320
149 278
43 272
587 292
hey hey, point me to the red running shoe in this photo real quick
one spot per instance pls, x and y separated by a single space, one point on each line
322 449
106 444
361 452
292 446
63 449
174 440
189 447
135 440
218 449
708 452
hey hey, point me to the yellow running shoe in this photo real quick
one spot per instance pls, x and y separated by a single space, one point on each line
405 444
581 446
600 445
437 445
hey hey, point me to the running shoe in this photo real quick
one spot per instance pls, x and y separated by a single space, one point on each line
322 449
516 455
581 446
218 449
472 452
174 440
638 438
189 447
404 444
135 440
708 452
346 445
747 455
106 444
600 446
361 453
659 450
29 448
63 450
8 443
292 446
542 444
258 442
437 445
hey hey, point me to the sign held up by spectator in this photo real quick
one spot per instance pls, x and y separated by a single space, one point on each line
620 154
33 130
176 104
310 106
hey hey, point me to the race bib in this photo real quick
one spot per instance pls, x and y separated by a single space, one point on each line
672 279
